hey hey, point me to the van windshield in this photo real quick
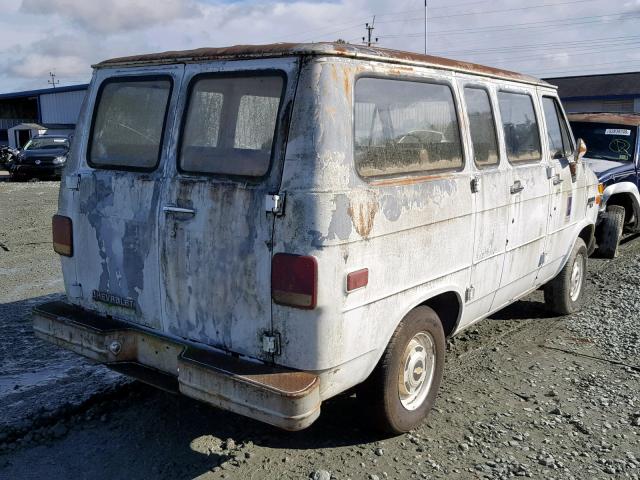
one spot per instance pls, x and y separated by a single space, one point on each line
607 141
230 124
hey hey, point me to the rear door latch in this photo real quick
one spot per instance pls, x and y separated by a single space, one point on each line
274 203
271 343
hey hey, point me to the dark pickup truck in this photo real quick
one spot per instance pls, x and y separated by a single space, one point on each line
612 153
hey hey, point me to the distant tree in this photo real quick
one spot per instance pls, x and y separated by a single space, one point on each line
340 41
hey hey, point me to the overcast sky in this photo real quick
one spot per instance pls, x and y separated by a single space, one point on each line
541 37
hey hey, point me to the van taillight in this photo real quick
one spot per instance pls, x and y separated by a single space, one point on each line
62 235
294 280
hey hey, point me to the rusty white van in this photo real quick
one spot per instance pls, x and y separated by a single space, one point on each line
264 227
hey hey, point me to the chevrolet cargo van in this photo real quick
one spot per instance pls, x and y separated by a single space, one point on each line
264 227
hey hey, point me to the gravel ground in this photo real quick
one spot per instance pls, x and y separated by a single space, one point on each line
524 395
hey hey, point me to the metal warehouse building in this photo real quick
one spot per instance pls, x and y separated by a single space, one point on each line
51 110
612 92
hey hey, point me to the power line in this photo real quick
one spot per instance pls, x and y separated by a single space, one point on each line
323 31
582 67
370 29
529 46
531 7
601 49
53 82
524 25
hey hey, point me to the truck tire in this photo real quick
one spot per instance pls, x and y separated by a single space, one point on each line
402 389
565 293
609 231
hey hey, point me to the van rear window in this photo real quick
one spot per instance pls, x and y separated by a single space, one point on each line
128 123
230 125
405 127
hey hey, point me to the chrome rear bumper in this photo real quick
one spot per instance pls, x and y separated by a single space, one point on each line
282 397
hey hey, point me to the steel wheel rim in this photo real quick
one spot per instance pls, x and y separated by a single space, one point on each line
577 273
418 366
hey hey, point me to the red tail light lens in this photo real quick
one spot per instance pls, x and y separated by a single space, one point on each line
294 280
62 235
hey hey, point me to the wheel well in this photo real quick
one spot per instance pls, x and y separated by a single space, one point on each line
622 200
586 234
447 306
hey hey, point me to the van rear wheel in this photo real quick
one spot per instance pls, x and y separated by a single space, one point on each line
564 294
403 387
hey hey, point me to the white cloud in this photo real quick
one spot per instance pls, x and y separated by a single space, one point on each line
37 65
113 15
69 35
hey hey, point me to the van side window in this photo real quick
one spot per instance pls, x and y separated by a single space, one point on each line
482 126
230 125
405 127
128 123
558 132
521 133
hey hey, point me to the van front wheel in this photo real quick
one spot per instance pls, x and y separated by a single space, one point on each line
403 387
564 294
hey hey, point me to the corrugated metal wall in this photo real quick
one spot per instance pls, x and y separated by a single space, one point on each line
57 108
615 106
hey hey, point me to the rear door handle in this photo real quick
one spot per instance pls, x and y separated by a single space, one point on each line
173 209
517 187
557 180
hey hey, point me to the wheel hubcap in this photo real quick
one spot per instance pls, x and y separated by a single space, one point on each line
576 278
418 368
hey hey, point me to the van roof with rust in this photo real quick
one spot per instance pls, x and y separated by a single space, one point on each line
238 52
615 118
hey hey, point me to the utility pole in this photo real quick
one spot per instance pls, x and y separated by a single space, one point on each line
425 27
370 29
53 80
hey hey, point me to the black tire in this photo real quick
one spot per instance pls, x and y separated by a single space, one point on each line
380 395
609 231
558 293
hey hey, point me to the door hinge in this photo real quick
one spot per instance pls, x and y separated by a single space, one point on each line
274 203
271 343
475 184
72 182
551 172
469 294
75 290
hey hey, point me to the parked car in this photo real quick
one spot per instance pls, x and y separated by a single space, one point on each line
252 227
612 153
42 156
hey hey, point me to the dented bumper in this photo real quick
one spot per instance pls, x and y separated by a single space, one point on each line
282 397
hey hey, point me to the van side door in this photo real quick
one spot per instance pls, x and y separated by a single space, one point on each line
492 199
564 202
529 192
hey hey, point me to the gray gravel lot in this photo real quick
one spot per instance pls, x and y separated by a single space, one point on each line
524 394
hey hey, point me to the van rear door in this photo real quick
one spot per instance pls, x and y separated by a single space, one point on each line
118 190
216 240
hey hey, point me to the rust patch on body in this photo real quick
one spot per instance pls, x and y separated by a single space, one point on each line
407 180
614 118
238 52
347 86
363 216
